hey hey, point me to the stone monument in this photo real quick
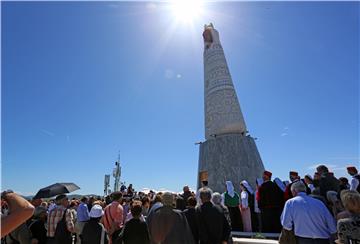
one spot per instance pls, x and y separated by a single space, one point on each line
228 152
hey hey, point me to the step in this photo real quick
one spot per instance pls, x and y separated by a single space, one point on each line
237 240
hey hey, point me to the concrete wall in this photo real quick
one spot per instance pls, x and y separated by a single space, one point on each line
230 157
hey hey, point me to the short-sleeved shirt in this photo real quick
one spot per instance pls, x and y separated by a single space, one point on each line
54 218
354 184
113 214
308 217
83 213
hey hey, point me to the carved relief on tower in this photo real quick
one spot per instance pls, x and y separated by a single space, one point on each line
211 56
222 109
223 113
217 75
216 71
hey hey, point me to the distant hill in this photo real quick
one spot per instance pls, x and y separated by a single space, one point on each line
70 196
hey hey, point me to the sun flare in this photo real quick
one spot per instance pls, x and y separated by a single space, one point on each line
187 10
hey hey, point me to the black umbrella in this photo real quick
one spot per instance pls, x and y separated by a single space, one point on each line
56 189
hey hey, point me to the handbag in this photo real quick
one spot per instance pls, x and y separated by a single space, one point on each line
287 237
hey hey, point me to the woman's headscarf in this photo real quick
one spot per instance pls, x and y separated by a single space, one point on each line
309 177
247 186
280 184
230 188
259 181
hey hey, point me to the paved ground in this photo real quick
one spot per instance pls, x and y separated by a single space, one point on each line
253 241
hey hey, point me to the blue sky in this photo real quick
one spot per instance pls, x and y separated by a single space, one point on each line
81 81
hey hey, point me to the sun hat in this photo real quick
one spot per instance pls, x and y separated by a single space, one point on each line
96 211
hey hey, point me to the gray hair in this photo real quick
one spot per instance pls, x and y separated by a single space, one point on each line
331 196
298 186
168 199
216 198
38 211
205 194
351 201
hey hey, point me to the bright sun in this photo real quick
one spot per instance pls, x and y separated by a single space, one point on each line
186 10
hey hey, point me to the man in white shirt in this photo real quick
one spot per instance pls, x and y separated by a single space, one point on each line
308 217
355 181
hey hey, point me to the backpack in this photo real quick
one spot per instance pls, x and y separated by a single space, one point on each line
13 240
62 235
21 231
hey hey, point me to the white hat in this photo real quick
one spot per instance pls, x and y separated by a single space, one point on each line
96 211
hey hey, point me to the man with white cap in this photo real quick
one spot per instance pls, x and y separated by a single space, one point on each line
93 231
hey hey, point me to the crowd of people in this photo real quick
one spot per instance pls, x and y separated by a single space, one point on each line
312 209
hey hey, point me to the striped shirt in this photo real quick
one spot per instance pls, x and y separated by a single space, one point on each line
54 218
113 217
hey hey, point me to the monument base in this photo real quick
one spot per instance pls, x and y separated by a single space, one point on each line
232 157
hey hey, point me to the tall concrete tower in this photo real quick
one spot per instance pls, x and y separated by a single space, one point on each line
228 152
222 110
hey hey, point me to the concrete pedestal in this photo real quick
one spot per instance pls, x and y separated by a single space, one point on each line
231 157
